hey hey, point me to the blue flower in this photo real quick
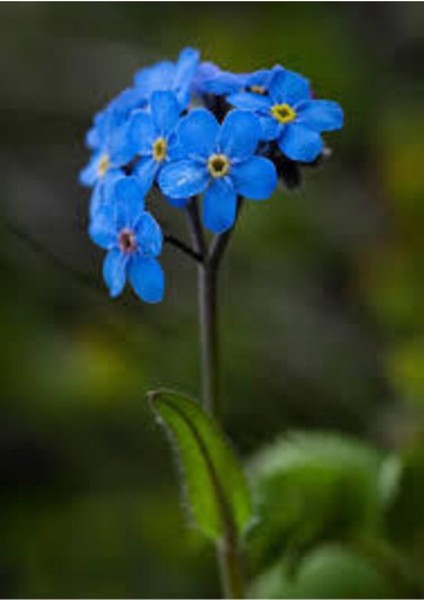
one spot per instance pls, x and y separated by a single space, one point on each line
291 116
111 153
103 191
225 83
106 137
210 79
151 136
204 72
133 240
101 163
113 116
168 76
220 161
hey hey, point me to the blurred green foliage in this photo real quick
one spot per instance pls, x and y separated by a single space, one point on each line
314 488
326 506
322 318
330 571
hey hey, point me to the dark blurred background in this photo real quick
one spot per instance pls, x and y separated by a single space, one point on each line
322 293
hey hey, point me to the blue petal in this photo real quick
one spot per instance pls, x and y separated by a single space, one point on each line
239 134
249 101
97 135
125 102
141 132
185 70
149 235
261 78
165 111
204 73
224 83
92 138
114 271
97 199
146 170
90 174
186 65
147 278
102 228
219 206
300 143
155 78
320 115
183 178
197 133
122 104
123 145
270 128
175 150
103 193
178 202
289 87
107 185
255 178
129 198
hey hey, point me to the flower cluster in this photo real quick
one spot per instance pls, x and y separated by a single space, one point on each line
192 130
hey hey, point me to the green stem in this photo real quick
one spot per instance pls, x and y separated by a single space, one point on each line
228 549
208 325
230 562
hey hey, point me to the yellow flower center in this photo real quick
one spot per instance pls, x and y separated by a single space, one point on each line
257 89
160 148
103 165
283 113
218 165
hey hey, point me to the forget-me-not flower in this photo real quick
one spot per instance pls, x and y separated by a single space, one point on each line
111 152
104 160
168 76
225 83
151 136
133 240
219 160
210 79
205 71
291 116
107 137
103 191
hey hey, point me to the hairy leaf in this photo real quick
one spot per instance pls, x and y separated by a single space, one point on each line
215 484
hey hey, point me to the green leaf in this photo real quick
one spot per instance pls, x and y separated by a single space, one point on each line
335 572
273 583
404 514
312 487
329 571
215 485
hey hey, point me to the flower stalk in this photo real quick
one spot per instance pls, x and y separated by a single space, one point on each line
208 324
230 562
229 553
